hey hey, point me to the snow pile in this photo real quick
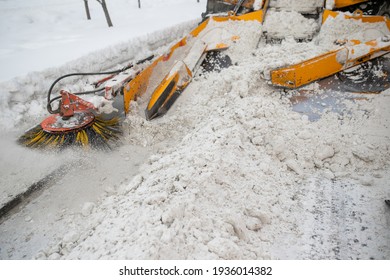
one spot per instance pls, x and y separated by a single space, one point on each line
297 5
339 29
230 185
287 53
230 175
292 24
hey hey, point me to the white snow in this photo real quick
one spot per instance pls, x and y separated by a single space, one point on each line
230 172
294 24
297 5
330 4
339 29
60 29
258 4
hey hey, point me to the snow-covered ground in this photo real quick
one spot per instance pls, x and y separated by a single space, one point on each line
39 34
230 172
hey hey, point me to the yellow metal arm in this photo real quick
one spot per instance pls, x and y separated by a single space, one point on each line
346 3
330 63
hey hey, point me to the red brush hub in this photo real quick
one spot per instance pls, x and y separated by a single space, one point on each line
75 113
55 123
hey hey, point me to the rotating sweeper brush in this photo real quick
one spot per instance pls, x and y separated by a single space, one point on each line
75 125
76 122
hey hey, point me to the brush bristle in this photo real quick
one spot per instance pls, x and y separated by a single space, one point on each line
100 134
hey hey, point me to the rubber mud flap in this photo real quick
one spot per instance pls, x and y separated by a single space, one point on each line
154 111
168 104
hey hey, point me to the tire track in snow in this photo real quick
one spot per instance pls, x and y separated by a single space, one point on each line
346 222
32 191
54 211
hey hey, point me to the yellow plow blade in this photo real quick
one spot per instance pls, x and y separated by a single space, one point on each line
345 3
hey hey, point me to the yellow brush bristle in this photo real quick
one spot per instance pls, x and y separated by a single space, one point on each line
98 134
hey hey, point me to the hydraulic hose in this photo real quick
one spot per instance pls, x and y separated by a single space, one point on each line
113 72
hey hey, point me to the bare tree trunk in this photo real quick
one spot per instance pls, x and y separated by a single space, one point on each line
87 9
139 4
104 6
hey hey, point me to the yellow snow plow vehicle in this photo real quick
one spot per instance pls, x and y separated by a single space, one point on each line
162 79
